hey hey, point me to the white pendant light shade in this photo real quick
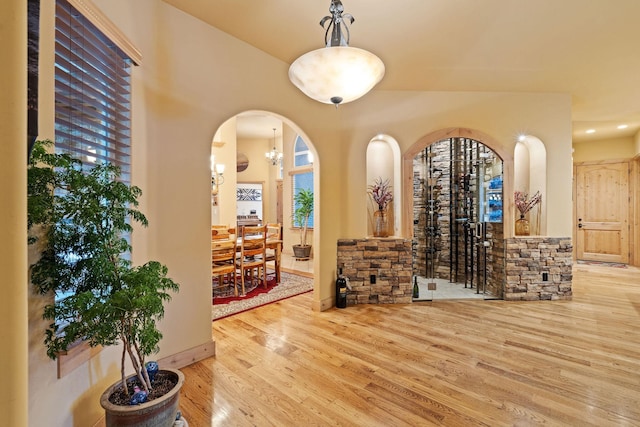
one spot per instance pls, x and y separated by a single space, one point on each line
336 74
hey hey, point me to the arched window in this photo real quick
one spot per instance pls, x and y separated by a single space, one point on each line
301 175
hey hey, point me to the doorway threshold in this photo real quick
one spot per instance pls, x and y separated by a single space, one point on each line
444 290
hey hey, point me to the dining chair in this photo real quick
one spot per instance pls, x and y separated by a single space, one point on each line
223 256
274 247
218 231
251 262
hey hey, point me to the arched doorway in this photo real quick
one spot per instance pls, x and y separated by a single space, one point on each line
240 143
457 217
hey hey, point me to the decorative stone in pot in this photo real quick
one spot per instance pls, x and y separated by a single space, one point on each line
159 412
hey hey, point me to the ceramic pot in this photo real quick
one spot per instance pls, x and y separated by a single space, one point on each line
302 252
159 412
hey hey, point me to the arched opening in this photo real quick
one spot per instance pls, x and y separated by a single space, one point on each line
267 186
456 182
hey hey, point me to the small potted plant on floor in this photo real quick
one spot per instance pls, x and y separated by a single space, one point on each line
83 216
303 208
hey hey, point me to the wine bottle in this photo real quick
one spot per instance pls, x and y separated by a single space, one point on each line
341 290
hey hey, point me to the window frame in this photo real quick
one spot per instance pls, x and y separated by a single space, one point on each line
90 15
300 170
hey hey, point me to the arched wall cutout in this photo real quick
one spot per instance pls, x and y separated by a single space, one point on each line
383 161
530 175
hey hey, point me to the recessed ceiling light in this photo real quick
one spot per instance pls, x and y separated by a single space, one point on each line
623 126
521 138
591 131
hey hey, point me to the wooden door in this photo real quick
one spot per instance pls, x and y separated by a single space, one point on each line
602 211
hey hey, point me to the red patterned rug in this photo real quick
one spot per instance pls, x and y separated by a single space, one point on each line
252 291
290 285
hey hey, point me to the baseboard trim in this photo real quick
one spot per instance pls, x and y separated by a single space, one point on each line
323 305
190 356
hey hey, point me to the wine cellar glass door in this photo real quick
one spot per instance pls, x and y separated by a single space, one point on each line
457 221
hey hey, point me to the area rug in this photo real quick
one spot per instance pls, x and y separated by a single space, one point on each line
606 264
290 285
252 289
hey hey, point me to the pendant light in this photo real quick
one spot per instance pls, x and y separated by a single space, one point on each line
274 156
336 73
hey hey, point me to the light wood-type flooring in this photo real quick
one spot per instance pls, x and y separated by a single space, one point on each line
451 363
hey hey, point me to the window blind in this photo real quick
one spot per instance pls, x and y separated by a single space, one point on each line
92 93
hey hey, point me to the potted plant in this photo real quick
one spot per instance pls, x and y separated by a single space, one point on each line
303 202
381 195
524 205
83 216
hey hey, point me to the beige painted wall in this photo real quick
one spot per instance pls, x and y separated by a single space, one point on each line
13 222
183 93
258 171
499 115
604 149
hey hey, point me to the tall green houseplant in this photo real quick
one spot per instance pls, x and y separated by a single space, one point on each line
303 203
83 218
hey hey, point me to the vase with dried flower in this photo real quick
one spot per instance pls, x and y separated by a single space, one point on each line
524 205
380 192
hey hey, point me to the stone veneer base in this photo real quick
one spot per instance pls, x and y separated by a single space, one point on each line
388 262
385 260
528 258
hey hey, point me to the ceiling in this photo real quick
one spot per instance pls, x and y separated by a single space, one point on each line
586 48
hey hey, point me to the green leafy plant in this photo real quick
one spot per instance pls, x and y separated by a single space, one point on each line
81 218
303 202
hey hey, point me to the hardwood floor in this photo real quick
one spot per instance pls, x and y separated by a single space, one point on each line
452 363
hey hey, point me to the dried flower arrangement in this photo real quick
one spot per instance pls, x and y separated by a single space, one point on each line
380 192
525 205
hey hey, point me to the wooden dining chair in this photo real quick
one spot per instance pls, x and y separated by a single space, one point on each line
223 256
251 260
274 247
218 231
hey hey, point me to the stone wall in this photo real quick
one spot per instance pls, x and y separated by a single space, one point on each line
387 261
527 261
495 261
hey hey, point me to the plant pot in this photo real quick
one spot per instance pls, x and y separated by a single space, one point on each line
160 412
302 252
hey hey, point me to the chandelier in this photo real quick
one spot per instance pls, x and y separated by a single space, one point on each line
273 156
336 73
